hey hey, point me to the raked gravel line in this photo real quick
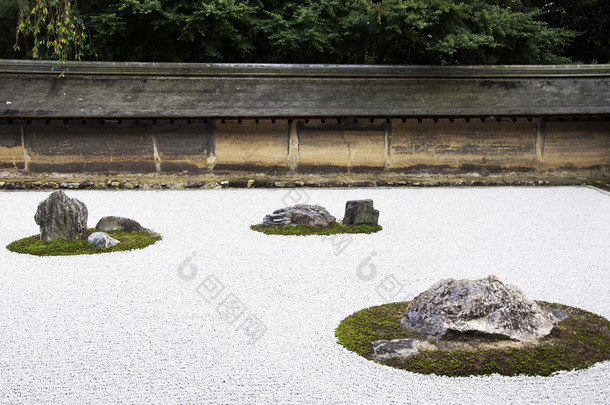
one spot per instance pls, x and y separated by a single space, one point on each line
126 328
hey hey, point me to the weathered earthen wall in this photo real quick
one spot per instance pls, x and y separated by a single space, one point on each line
251 145
305 146
463 144
11 146
575 144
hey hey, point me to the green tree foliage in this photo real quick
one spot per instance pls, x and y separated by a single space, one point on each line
590 19
411 31
171 30
8 21
51 29
330 31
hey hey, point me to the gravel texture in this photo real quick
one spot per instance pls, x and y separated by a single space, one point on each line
132 327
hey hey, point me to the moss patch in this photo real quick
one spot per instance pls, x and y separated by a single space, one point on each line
129 241
303 230
577 342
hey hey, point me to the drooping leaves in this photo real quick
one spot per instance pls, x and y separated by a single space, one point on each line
54 27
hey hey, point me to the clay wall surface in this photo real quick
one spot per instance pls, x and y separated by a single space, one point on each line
299 146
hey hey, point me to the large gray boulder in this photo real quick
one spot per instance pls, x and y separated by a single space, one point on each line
360 212
485 306
111 223
300 214
102 240
61 217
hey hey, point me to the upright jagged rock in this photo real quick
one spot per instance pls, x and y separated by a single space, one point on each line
360 212
485 306
300 214
61 217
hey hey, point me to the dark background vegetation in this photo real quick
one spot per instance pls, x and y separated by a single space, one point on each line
333 31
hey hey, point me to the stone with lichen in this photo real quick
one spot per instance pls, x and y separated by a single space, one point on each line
485 306
360 212
61 217
300 214
112 223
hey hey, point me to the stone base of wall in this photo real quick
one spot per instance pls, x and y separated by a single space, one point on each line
17 180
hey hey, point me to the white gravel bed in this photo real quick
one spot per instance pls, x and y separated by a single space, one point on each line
131 327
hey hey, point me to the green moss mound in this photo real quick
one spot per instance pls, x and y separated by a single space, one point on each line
577 342
303 230
32 245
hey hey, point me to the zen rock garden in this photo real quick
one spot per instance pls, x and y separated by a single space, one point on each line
455 328
477 327
307 219
459 314
357 212
62 218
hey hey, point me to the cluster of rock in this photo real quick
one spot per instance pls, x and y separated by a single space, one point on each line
62 218
357 212
470 309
